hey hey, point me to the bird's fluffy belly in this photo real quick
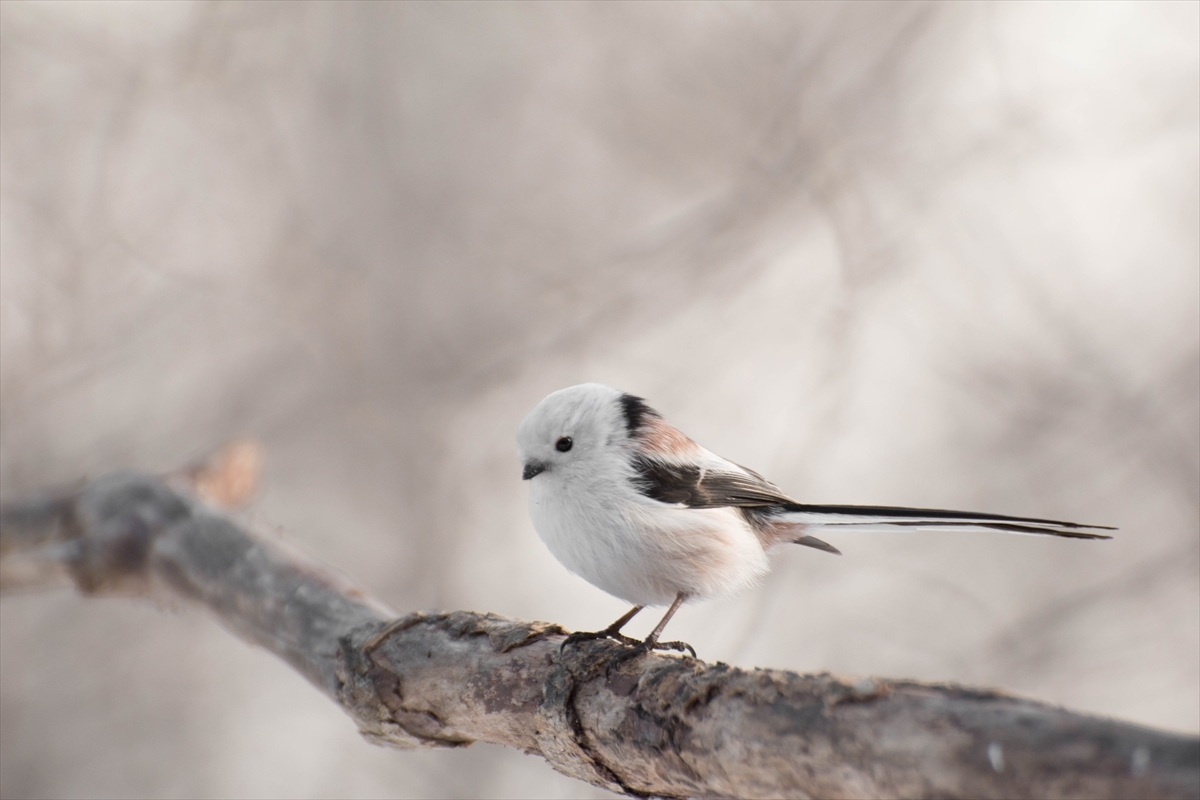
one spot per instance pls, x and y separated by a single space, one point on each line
648 552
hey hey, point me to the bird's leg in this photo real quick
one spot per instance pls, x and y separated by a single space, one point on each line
651 642
611 632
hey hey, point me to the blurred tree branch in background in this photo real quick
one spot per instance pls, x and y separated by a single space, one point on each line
663 726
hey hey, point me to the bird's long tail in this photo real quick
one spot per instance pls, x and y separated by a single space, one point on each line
809 519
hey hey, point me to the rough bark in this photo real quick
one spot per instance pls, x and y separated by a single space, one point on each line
662 725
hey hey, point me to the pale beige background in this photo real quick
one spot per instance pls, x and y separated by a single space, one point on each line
913 254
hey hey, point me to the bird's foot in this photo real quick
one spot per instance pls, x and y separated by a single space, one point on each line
640 649
586 636
679 646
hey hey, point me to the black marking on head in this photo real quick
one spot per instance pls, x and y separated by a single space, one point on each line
636 412
695 487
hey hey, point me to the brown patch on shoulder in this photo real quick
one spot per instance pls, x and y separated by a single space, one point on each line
661 438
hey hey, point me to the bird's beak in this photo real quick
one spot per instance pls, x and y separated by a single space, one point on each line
532 470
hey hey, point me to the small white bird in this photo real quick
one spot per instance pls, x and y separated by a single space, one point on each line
633 506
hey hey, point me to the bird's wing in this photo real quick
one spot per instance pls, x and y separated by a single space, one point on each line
710 482
843 518
671 468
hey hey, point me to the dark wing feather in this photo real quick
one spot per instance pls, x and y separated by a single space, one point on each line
697 486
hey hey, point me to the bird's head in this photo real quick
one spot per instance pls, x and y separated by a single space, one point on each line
573 430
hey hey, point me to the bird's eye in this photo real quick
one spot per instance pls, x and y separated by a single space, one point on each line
563 444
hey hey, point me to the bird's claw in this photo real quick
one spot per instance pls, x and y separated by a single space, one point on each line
679 646
586 636
642 648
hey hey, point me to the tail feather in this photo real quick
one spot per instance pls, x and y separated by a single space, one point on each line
890 517
812 541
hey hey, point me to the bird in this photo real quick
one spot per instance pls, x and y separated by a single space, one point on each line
632 505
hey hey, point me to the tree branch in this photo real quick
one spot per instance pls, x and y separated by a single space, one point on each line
663 725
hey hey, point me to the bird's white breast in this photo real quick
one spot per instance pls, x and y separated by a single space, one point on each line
640 550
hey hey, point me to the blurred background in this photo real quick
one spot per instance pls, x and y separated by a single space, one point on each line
913 254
